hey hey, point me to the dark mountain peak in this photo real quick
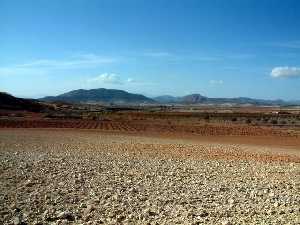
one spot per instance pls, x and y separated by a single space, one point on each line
188 99
100 95
193 98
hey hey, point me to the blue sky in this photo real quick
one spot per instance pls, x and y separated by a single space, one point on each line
218 48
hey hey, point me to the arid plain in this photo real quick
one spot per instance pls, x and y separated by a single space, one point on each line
150 168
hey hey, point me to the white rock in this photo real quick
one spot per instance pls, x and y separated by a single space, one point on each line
226 222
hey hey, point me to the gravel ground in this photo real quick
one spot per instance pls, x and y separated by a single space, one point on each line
62 177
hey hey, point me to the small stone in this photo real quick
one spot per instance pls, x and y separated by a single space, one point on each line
203 214
111 214
66 215
28 183
46 215
89 209
82 205
120 218
260 193
226 222
16 220
231 201
281 212
36 222
271 194
150 212
96 200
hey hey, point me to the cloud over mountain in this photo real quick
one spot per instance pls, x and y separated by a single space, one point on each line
107 78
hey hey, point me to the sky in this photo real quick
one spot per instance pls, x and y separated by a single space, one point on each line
217 48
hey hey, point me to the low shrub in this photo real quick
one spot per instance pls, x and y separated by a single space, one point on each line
248 121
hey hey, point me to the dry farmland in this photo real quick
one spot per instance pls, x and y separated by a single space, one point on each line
149 168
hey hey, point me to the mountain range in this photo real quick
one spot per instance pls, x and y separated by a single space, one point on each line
199 99
113 96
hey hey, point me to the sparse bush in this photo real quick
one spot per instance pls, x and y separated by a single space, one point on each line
283 122
206 117
248 121
274 122
266 120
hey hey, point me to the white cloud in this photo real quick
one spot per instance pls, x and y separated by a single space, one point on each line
42 66
131 80
286 72
110 80
216 82
85 60
107 78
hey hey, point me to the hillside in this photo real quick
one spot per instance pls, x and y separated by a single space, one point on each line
167 99
100 95
10 102
193 99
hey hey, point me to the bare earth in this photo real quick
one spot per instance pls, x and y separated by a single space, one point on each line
66 176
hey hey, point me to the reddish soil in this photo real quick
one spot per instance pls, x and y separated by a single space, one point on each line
145 145
206 132
149 126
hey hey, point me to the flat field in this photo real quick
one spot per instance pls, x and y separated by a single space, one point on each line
73 176
150 167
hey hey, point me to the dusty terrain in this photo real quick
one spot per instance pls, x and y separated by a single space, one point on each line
65 176
203 129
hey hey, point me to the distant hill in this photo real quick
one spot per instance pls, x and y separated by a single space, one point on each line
10 102
193 99
112 96
100 95
167 99
200 99
188 99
